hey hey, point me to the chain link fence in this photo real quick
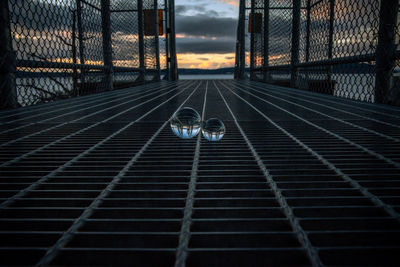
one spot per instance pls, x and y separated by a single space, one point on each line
343 48
67 48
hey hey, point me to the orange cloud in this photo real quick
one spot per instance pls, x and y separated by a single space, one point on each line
206 61
230 2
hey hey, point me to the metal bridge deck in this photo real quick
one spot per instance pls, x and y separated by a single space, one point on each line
299 179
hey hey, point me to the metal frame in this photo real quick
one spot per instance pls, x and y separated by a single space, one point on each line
107 68
8 94
156 41
173 67
266 38
386 51
240 60
107 48
295 42
385 54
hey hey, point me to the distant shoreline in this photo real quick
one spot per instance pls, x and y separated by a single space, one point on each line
205 76
355 68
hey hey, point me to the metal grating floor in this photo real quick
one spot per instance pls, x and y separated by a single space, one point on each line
299 179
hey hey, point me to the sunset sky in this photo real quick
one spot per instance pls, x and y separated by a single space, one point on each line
206 33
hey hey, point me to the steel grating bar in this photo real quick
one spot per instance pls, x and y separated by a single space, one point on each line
79 222
382 157
7 163
51 107
304 98
75 120
335 118
376 200
352 104
100 99
61 168
182 251
301 235
218 209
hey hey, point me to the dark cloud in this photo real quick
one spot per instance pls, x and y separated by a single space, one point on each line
206 26
229 58
205 46
180 9
203 58
206 31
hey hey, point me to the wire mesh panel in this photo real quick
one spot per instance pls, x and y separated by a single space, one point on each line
43 33
280 17
354 28
149 40
162 37
396 70
340 47
70 48
125 39
91 52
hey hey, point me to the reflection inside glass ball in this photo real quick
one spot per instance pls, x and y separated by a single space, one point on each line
186 123
213 129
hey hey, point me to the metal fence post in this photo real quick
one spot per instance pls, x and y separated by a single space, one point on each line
308 24
295 41
142 65
266 39
252 38
107 48
237 47
166 40
174 64
80 39
240 45
385 51
7 61
74 61
236 73
331 29
156 41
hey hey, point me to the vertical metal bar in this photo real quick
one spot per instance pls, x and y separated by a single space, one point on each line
141 41
8 91
308 26
266 39
331 29
237 47
156 41
174 64
242 40
74 60
385 51
295 41
240 45
308 23
80 39
252 38
166 39
107 48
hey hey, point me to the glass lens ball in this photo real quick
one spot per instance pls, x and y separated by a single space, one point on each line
213 129
186 123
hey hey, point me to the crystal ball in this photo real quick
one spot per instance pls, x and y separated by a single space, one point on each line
213 129
186 123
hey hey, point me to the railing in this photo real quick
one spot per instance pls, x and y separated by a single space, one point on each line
67 48
338 47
